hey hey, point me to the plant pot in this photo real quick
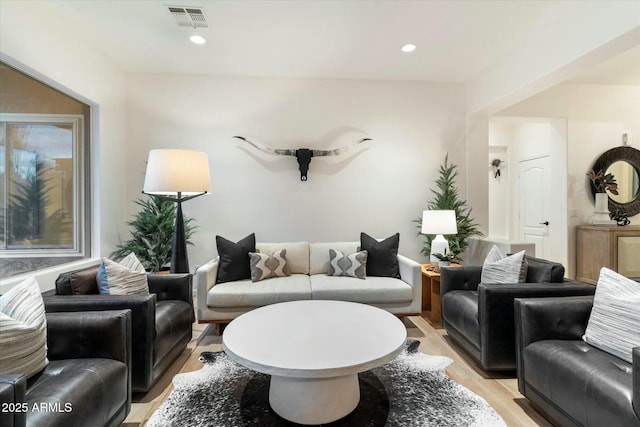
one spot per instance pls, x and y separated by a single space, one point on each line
602 203
444 264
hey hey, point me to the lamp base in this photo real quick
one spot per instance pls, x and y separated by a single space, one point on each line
179 258
438 246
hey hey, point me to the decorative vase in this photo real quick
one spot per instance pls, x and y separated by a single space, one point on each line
602 203
601 211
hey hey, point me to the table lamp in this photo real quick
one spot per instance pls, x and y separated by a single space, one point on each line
177 175
439 223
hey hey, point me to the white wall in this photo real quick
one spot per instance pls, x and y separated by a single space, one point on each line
33 37
552 53
378 188
523 139
597 116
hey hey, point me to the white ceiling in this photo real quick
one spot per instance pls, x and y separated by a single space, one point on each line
456 40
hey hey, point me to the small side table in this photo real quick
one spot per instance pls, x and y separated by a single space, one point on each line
431 292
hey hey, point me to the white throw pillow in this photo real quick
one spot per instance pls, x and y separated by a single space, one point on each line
504 270
125 278
265 266
23 330
614 324
351 265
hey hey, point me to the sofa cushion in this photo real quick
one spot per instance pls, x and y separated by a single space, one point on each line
245 293
125 278
234 258
382 258
89 392
460 311
350 265
297 254
592 386
614 324
372 290
266 266
506 270
319 254
23 330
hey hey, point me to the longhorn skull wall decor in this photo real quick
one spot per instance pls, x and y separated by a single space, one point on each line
303 155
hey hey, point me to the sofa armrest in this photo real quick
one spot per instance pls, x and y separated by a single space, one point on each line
636 380
90 334
459 279
497 320
13 391
206 276
411 273
538 319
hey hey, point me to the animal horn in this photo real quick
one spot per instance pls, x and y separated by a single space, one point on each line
335 152
269 150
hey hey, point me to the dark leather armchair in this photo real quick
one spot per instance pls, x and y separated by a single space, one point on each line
570 381
480 317
161 321
87 382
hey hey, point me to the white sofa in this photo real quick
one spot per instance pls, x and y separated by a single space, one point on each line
308 264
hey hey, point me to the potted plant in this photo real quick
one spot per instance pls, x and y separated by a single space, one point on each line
602 182
446 197
445 259
152 233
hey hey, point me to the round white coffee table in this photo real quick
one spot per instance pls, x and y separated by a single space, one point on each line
313 351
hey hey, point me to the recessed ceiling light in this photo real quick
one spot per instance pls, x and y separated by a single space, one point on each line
408 48
197 39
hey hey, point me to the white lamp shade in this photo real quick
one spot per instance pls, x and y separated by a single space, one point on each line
439 222
172 171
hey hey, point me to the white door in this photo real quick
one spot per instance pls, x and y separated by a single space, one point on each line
534 200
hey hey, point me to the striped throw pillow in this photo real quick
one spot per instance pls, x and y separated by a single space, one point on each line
265 266
614 324
23 330
351 265
128 277
503 270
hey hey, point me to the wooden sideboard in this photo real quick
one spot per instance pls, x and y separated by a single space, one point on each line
617 248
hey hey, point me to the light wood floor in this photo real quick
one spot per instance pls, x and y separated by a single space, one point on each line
499 390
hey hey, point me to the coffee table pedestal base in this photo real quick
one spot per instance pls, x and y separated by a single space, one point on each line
314 400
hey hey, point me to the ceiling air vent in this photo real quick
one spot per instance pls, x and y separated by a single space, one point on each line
189 16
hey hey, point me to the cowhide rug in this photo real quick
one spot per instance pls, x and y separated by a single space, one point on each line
411 390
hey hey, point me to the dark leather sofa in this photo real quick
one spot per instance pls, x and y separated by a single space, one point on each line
87 382
480 317
567 379
161 321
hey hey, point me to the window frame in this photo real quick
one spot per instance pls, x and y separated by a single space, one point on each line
78 210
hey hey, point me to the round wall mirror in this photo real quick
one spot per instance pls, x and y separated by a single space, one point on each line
627 179
624 164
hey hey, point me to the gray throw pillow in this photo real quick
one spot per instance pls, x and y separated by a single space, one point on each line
503 270
614 324
265 266
351 265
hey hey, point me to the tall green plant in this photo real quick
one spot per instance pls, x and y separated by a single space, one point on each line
152 233
445 197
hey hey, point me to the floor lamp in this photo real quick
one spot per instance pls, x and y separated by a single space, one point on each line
439 223
177 175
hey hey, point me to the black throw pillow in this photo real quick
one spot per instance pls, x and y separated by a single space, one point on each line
382 257
234 258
